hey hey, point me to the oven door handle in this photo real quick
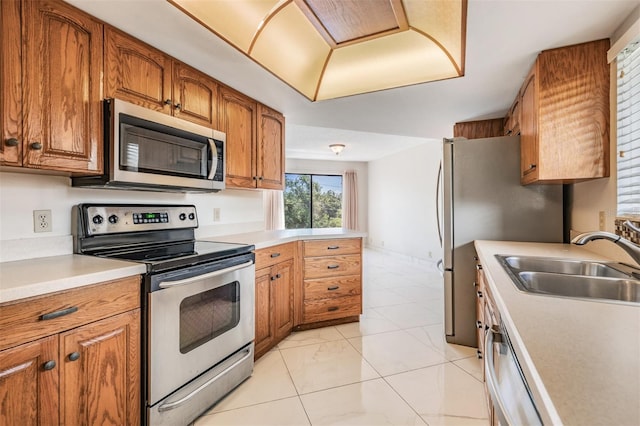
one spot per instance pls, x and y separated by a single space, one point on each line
175 404
168 284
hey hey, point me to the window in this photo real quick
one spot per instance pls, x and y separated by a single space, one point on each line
312 201
629 130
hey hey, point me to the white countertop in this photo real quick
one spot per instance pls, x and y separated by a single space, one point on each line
581 358
34 277
264 239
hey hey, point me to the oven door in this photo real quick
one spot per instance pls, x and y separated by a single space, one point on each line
198 316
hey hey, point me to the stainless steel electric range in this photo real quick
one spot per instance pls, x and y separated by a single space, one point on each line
198 303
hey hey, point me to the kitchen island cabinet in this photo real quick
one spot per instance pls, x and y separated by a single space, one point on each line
72 357
274 296
51 111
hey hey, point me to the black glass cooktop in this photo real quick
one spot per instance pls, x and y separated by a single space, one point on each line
170 255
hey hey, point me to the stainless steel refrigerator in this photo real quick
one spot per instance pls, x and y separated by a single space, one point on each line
484 200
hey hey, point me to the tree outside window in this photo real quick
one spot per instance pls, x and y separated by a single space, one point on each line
312 201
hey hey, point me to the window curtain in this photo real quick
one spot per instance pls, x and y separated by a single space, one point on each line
273 210
350 200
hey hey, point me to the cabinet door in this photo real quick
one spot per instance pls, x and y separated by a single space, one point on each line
10 84
62 65
136 72
264 305
237 118
270 150
100 372
282 288
195 96
529 132
28 385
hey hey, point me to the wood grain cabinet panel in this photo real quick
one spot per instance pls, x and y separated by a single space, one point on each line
238 119
195 96
332 281
271 255
479 129
72 357
136 72
51 88
274 305
564 124
29 384
10 84
270 149
100 369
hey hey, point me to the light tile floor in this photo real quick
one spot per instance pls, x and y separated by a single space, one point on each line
394 367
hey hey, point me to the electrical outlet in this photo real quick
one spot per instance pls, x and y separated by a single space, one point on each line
42 221
216 214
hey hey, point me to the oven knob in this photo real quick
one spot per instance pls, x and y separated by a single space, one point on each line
192 216
182 216
113 219
97 219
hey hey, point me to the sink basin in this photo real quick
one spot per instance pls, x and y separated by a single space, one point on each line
593 280
564 266
623 290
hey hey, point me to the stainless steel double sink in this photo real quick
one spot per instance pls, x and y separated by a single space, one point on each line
593 280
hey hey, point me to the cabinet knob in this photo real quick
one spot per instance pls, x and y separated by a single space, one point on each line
167 101
178 106
261 178
479 324
278 276
532 166
11 142
74 356
479 294
36 145
49 365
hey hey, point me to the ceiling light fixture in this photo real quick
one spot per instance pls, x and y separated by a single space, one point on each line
328 49
337 148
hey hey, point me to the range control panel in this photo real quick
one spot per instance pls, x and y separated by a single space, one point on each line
113 219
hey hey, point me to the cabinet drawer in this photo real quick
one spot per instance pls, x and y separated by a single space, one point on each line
331 266
27 320
328 309
331 247
324 288
271 255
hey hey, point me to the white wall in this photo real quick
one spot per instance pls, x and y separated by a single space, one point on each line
402 202
21 193
294 165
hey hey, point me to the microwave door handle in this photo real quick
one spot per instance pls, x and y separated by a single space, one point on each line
214 158
168 284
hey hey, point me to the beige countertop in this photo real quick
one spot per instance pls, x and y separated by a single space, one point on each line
581 358
34 277
264 239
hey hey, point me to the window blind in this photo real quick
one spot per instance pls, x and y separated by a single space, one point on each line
628 137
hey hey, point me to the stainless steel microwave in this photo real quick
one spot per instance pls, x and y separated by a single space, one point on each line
152 151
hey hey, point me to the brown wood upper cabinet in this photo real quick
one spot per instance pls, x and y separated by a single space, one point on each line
255 142
479 129
564 122
140 74
50 84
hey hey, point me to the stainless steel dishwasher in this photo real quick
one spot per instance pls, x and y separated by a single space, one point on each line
507 386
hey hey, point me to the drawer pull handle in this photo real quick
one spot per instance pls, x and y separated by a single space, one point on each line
11 142
333 266
74 356
333 247
332 308
59 313
49 365
275 254
333 287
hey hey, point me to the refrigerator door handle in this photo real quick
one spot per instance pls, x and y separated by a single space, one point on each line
438 204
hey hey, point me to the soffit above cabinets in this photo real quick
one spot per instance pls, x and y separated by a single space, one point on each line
328 49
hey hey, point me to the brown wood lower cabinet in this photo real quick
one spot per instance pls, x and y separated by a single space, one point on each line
76 369
274 296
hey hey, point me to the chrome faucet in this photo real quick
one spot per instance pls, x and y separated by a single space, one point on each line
631 248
